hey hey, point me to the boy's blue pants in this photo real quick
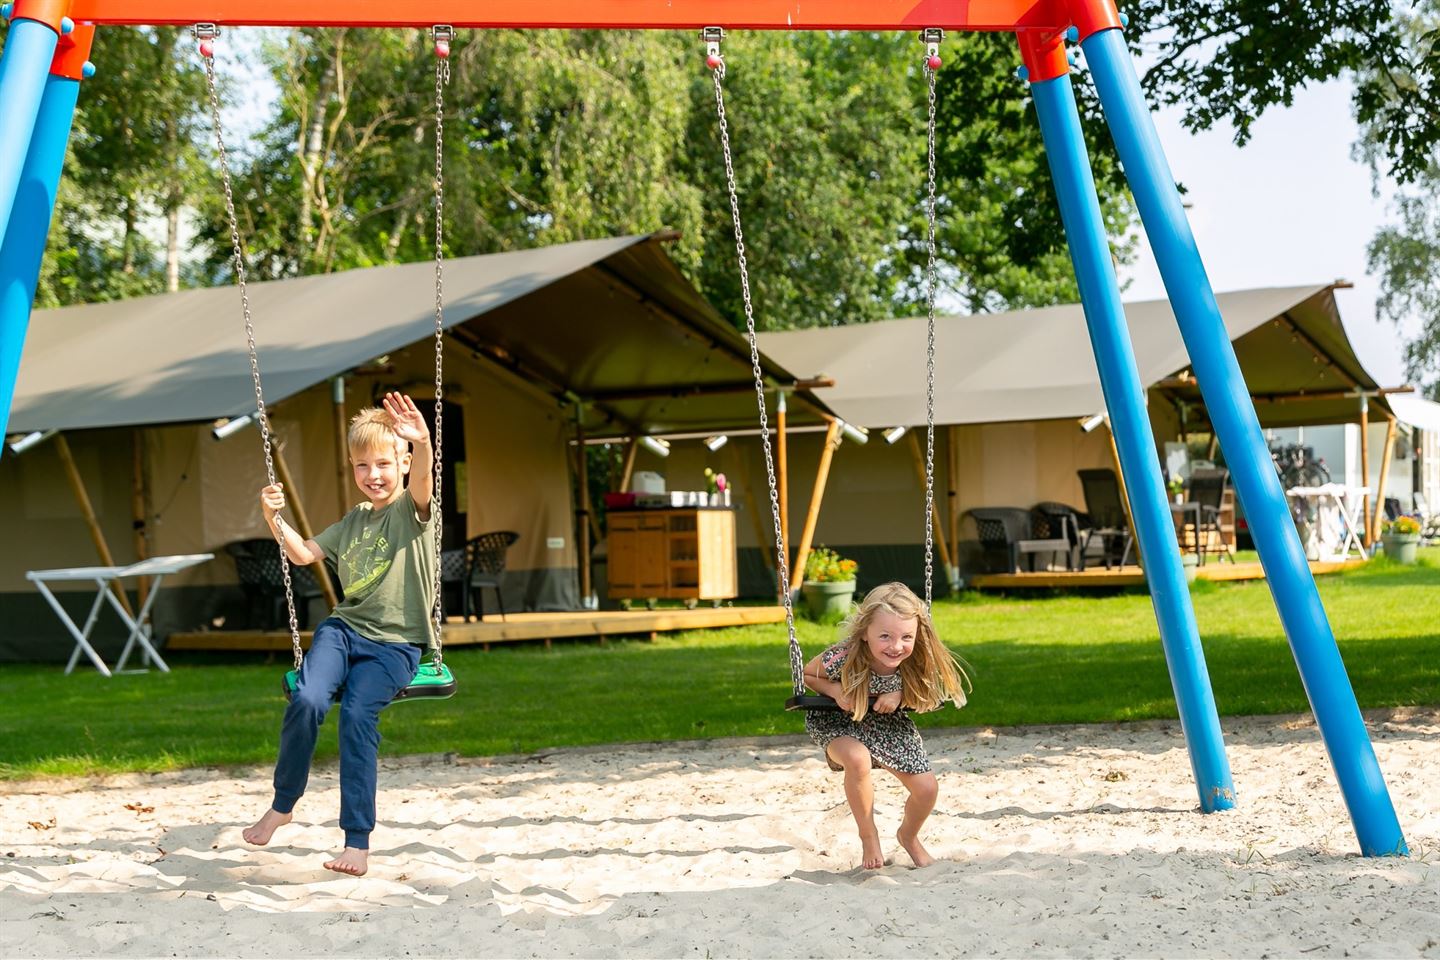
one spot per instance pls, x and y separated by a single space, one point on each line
371 673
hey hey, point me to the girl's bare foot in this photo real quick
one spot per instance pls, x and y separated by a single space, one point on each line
915 848
871 858
352 861
265 828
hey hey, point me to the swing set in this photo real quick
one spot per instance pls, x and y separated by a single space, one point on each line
45 58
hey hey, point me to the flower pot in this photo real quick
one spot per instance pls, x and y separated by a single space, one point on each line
1190 563
1401 547
826 599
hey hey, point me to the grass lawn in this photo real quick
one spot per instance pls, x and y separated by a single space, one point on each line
1050 659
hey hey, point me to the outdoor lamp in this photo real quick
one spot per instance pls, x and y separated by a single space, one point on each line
661 448
22 442
715 443
853 433
223 428
1090 423
894 434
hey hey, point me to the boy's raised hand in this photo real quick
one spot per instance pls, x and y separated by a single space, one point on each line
409 425
272 499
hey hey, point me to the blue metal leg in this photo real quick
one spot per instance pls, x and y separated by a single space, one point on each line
1233 414
1125 401
24 247
24 65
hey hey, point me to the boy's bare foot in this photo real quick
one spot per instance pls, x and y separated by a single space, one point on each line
915 848
871 858
352 861
265 828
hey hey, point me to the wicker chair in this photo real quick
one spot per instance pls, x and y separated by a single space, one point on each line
485 567
262 580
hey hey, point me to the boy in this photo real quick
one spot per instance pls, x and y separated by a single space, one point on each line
384 550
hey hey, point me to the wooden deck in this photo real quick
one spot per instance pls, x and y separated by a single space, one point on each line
1131 576
597 624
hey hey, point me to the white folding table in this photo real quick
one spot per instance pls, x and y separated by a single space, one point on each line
103 578
1336 525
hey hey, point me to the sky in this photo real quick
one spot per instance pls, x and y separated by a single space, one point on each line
1291 207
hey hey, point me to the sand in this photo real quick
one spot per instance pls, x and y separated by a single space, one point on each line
1057 841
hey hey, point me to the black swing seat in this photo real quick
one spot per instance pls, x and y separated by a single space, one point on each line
811 701
430 683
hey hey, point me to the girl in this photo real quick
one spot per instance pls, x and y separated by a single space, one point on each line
891 653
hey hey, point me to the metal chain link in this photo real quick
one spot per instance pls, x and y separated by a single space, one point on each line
797 663
442 77
930 344
205 32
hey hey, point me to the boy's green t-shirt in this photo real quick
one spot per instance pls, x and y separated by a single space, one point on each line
386 561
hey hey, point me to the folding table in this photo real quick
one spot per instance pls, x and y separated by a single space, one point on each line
103 577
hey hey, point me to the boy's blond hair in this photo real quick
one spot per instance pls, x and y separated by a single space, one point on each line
929 676
374 429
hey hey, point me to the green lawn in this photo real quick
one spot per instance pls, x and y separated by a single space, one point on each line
1050 659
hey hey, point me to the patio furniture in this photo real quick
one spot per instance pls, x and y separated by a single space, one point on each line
1429 520
1107 517
1207 491
1008 533
1076 526
485 568
262 580
1330 522
452 581
104 578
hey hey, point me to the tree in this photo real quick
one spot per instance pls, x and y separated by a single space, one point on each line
132 157
1406 254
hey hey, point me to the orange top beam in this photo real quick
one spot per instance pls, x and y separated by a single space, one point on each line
1009 15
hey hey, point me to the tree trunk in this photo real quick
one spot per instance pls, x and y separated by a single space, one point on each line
312 154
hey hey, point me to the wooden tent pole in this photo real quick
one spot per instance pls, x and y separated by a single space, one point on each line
342 447
302 523
1384 479
139 514
582 484
952 484
822 472
782 473
1124 494
627 471
1365 464
87 510
934 507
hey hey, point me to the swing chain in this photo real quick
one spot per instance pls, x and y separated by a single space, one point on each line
205 33
782 566
442 35
931 37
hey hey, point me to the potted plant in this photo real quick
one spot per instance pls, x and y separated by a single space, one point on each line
1177 489
1401 537
1190 566
829 584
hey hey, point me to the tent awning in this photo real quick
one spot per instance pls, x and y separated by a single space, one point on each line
1038 364
612 322
1416 411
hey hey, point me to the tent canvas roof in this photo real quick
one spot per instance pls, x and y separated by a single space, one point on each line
612 319
1038 364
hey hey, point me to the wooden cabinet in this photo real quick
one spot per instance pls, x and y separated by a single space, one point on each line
682 554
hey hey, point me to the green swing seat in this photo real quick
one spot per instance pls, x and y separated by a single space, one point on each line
430 683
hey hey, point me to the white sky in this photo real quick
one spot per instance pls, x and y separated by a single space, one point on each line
1291 207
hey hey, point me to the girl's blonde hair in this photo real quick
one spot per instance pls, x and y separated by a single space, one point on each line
929 676
374 429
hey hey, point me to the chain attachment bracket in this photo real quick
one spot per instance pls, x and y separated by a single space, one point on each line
932 38
713 36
